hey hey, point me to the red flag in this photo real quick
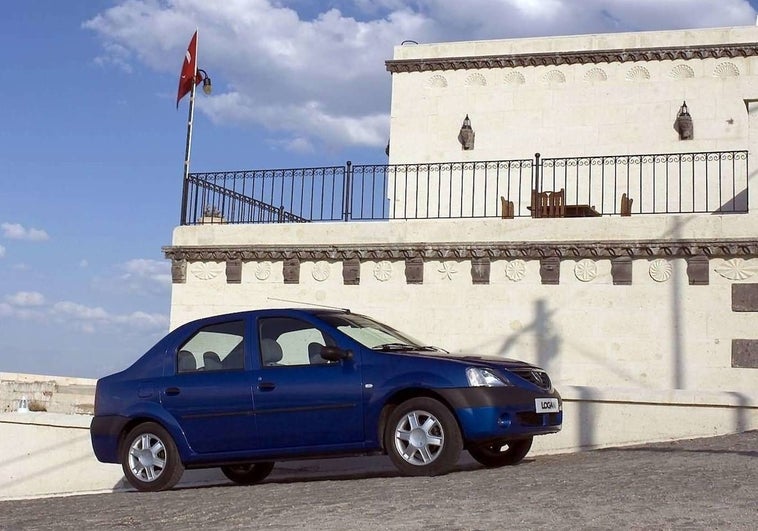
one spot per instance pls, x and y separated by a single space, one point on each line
189 70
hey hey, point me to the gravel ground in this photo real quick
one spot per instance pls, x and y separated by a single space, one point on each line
707 483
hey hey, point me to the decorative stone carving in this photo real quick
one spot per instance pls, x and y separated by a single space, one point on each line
448 270
550 270
745 297
414 270
320 271
637 73
291 271
263 270
697 270
514 78
206 270
383 271
682 72
660 270
480 270
554 77
178 271
634 55
726 69
621 271
515 270
437 81
234 271
596 250
351 272
476 80
737 269
585 270
595 74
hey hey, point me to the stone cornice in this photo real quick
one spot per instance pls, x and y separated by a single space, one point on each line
747 247
624 55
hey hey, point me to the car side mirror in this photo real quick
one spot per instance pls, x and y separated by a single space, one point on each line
335 354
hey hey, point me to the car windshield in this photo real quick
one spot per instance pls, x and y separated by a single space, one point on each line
372 334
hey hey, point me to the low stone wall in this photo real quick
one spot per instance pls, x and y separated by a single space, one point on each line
52 394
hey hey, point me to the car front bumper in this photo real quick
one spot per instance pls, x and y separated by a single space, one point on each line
492 413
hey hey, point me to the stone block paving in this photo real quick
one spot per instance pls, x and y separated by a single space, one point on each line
709 483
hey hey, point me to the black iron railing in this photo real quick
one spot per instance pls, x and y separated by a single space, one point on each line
672 183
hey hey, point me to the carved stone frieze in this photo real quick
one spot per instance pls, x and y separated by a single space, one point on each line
663 53
609 249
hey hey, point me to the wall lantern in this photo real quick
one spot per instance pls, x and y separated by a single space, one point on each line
466 135
683 124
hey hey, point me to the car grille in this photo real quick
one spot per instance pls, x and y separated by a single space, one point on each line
536 376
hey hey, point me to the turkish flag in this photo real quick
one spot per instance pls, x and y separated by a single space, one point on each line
189 73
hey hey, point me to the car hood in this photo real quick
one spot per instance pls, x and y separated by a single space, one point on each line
472 360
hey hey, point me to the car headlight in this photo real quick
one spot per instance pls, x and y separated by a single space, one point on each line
478 377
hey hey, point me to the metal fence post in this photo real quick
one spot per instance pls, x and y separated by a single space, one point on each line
536 187
348 191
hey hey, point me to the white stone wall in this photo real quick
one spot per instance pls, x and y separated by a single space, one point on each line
608 108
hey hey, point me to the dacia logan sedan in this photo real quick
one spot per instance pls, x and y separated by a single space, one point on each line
241 391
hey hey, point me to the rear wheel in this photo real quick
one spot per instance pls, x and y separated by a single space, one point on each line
422 438
501 453
150 459
248 473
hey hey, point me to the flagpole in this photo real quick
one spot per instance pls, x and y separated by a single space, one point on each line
188 146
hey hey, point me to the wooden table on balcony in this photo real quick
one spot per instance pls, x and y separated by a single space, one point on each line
552 205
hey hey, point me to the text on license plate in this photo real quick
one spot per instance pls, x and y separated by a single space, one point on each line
546 405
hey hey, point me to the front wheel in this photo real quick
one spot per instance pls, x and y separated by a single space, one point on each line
248 473
422 438
150 459
501 453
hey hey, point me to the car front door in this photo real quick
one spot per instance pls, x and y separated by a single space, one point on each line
301 400
210 393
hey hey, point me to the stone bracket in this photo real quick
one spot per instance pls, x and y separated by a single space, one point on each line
351 272
178 271
697 270
480 270
414 270
550 270
234 271
621 271
291 271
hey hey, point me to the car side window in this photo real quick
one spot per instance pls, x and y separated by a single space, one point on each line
217 347
287 341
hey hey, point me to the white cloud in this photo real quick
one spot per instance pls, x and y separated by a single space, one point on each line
311 75
26 298
2 251
16 231
92 319
83 263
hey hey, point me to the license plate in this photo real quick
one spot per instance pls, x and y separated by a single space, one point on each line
546 405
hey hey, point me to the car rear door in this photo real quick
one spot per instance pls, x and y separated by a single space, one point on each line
300 399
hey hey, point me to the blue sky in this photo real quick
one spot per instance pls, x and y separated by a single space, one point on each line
92 145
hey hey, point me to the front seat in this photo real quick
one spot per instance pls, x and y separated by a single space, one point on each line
271 352
211 361
186 361
314 353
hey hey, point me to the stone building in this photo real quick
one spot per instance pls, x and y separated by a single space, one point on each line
623 258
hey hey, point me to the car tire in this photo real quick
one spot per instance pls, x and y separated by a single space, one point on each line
422 438
150 459
248 473
501 453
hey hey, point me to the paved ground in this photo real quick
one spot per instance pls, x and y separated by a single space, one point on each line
699 484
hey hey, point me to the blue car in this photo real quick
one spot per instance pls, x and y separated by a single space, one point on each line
243 390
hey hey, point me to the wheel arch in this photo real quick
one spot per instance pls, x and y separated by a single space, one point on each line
403 395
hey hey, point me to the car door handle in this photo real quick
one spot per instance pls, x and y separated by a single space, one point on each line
266 386
172 391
